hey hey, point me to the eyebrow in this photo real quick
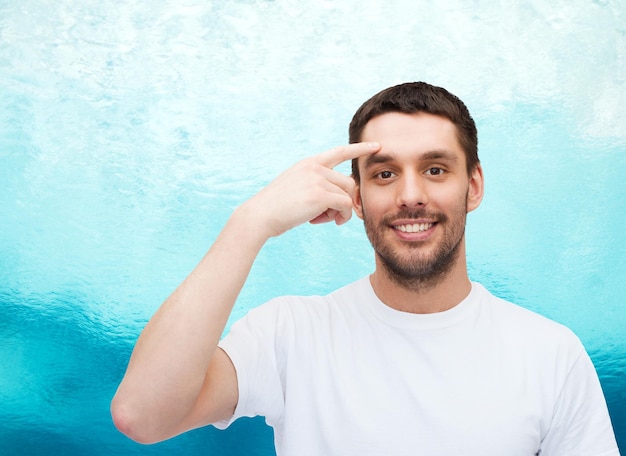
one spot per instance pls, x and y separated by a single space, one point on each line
439 154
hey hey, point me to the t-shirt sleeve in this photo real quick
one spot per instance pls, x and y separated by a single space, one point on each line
251 346
581 424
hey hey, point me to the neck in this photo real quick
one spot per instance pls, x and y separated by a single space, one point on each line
423 296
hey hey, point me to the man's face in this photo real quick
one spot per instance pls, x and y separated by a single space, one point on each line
414 195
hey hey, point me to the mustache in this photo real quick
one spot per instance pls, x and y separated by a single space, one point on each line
416 214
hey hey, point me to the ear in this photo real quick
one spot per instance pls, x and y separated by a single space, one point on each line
475 189
357 202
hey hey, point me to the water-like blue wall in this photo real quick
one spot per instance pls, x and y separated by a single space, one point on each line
130 130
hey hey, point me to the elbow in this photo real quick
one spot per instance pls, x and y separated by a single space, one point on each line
131 424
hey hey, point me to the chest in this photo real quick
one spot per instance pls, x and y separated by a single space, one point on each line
390 392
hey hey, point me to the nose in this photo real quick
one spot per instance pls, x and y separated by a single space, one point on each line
411 191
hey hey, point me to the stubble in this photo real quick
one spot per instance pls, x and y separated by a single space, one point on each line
418 265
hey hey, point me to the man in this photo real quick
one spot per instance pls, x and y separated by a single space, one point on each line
414 359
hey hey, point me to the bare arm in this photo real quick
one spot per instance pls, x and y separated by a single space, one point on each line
177 379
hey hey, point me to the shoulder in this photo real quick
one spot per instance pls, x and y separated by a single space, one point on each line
534 330
291 309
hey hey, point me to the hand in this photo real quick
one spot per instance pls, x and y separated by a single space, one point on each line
308 191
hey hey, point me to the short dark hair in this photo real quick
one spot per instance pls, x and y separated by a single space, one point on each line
414 97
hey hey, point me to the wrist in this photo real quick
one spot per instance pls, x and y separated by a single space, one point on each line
247 220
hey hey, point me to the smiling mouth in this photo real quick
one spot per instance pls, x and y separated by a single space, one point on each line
413 227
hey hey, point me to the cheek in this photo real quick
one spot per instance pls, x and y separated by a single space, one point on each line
371 202
451 197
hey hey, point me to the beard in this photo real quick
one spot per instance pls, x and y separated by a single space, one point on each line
414 265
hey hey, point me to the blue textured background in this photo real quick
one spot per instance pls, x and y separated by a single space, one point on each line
130 130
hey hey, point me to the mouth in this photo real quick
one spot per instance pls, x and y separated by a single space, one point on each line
413 227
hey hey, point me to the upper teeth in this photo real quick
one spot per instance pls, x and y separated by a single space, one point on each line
414 228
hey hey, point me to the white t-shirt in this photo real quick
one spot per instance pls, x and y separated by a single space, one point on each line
344 374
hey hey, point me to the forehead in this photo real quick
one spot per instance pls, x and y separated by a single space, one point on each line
417 132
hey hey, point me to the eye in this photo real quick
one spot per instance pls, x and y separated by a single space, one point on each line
385 175
435 171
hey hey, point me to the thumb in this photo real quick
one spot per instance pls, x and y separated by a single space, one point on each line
325 217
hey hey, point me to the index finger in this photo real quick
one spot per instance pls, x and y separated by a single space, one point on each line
337 155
